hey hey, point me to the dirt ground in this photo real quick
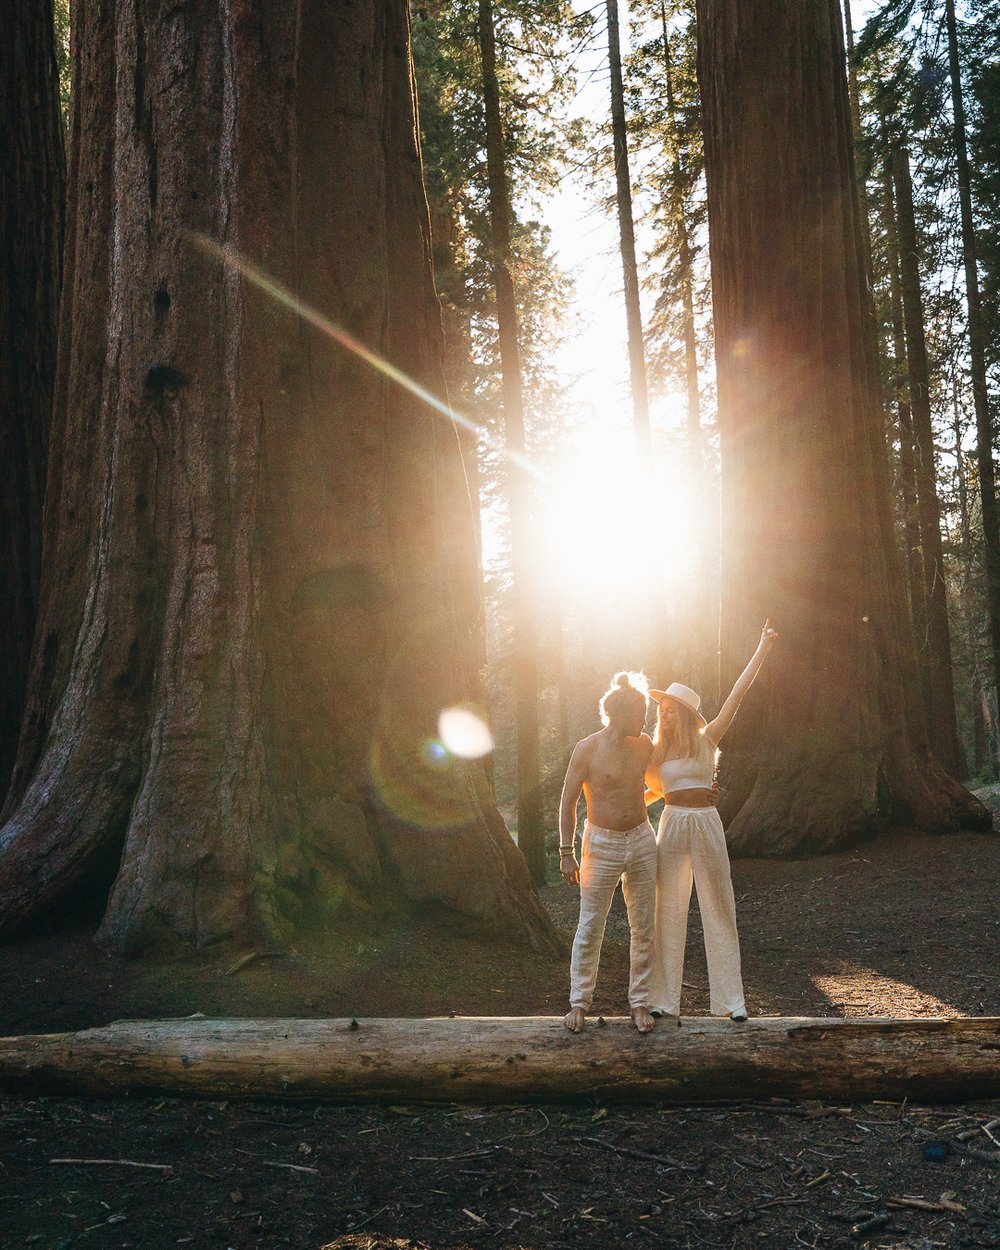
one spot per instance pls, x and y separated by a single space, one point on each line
906 926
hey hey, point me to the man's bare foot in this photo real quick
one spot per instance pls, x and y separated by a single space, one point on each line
575 1018
642 1019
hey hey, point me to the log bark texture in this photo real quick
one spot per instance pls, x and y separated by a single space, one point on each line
503 1059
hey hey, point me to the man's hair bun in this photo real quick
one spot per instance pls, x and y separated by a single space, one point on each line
625 687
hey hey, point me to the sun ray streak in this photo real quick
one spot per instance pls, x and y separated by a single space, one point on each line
283 295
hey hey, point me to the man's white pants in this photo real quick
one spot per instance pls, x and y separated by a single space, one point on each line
608 857
691 846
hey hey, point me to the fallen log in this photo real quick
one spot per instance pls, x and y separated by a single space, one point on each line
497 1059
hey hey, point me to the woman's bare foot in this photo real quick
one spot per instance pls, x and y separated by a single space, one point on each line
574 1019
642 1019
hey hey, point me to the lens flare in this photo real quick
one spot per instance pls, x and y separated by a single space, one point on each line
435 753
464 733
283 295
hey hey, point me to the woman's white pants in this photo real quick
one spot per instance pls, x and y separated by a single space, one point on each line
609 856
691 847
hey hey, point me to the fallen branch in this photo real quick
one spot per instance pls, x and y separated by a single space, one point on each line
990 1157
368 1219
251 957
118 1163
784 1201
667 1160
921 1204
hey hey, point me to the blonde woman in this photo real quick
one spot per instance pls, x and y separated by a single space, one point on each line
691 845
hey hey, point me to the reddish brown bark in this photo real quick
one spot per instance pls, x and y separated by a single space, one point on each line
32 187
261 585
831 744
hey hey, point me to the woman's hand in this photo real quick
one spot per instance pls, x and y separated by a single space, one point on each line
768 636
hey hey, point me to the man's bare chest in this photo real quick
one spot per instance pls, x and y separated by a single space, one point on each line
612 768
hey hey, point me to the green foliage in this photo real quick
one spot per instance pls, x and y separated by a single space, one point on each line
981 48
535 42
901 60
885 27
664 110
64 64
532 38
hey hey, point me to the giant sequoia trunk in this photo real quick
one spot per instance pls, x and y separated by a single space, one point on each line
32 178
260 585
832 742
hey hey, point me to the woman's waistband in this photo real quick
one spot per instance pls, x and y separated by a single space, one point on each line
697 796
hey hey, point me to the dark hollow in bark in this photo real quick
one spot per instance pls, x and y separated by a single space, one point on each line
831 744
504 1060
261 584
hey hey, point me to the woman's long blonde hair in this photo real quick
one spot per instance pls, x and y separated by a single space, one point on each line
685 739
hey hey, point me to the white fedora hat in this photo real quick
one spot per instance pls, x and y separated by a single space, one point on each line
683 694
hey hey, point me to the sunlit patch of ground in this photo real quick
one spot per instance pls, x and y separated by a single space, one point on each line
859 991
990 795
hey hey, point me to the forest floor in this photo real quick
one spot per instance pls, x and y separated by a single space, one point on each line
906 926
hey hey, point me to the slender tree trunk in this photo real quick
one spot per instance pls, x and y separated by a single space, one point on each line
626 231
853 98
977 355
457 341
936 646
904 420
703 670
530 831
32 190
260 587
831 742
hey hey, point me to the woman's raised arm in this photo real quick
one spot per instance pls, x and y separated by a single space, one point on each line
718 727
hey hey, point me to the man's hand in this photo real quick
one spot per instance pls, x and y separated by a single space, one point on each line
569 868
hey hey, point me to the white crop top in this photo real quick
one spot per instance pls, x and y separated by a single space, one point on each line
686 774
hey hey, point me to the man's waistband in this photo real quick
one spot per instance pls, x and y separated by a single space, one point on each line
618 833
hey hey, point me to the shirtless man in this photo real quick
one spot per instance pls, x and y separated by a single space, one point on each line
618 844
